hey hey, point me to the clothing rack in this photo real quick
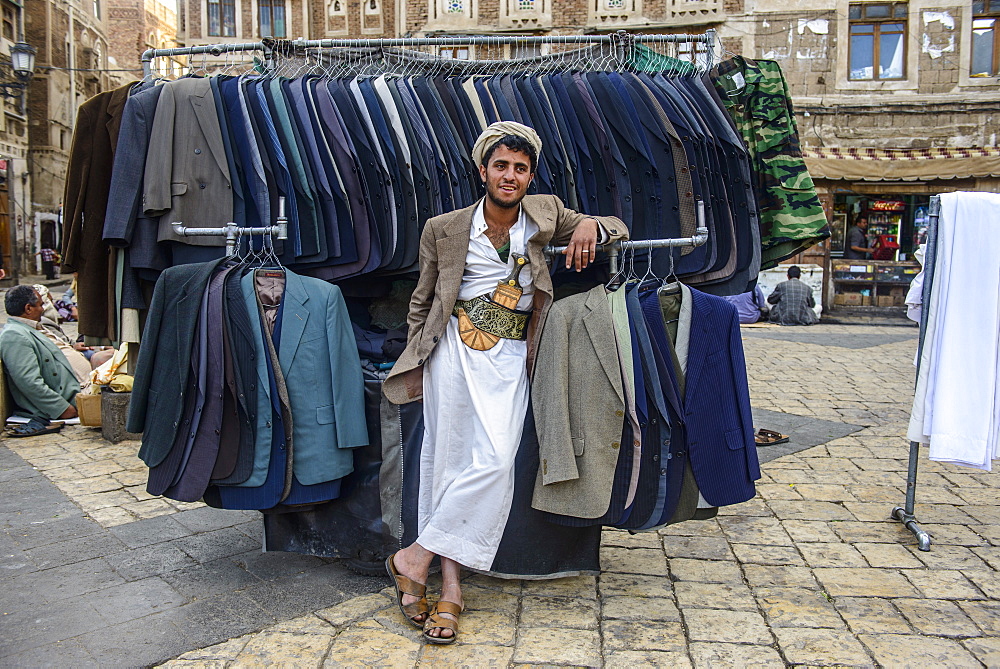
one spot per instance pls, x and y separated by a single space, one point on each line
621 43
700 237
233 232
905 514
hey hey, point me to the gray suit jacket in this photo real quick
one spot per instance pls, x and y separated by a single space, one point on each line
187 175
444 245
40 377
579 407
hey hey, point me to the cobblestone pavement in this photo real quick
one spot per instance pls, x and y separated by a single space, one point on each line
810 572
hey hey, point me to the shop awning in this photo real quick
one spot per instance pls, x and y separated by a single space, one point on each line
901 164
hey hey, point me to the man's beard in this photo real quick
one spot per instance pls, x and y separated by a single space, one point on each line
500 203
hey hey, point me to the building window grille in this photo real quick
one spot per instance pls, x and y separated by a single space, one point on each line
9 21
458 53
985 45
222 18
877 40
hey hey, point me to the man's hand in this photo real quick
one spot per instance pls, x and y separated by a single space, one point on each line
70 412
582 245
80 346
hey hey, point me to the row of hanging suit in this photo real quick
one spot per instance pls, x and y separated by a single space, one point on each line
363 162
248 388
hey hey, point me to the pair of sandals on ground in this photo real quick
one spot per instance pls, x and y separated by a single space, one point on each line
34 427
444 615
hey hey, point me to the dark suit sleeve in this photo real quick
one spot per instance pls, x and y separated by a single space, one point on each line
126 178
147 356
775 295
159 165
742 390
423 294
76 188
345 370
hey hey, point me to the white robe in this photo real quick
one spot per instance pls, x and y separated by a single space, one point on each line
474 408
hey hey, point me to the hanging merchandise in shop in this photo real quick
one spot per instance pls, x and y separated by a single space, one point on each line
363 145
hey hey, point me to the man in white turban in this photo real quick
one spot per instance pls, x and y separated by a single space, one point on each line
469 352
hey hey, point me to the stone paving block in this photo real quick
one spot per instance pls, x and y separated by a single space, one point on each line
573 586
854 531
795 607
150 508
633 560
806 510
824 493
851 582
770 491
821 647
705 548
151 531
990 555
355 609
629 635
942 556
989 532
887 555
97 468
832 555
633 659
54 530
68 653
987 581
573 613
74 550
486 627
942 583
103 500
791 476
705 571
693 528
727 626
878 493
805 531
770 555
764 576
986 650
952 535
871 615
985 614
626 540
307 624
285 649
149 561
718 655
637 609
635 586
485 599
894 650
938 617
111 516
462 656
559 646
728 596
755 530
751 507
977 497
372 647
210 546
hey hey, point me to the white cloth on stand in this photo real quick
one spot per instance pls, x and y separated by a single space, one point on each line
915 294
474 408
957 403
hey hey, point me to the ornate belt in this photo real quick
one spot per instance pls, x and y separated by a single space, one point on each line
493 318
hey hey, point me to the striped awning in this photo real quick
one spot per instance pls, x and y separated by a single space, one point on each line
901 164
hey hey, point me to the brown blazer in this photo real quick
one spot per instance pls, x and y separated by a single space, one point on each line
444 245
88 181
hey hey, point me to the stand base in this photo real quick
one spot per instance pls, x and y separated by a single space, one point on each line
910 521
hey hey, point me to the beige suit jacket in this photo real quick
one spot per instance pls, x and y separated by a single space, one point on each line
579 406
444 245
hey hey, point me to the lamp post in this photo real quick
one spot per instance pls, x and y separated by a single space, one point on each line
12 86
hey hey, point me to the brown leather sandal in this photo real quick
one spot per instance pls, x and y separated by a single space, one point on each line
437 621
406 586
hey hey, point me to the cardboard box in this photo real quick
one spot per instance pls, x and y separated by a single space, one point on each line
866 300
838 299
89 408
899 300
886 300
853 299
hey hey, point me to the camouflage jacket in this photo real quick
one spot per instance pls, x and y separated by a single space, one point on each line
756 96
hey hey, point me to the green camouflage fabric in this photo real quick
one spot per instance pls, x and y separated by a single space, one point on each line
756 96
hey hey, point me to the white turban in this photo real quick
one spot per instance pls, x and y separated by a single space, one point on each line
500 129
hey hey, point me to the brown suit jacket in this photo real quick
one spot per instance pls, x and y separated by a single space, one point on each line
444 245
88 181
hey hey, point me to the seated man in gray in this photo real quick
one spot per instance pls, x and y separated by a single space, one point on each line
793 301
40 378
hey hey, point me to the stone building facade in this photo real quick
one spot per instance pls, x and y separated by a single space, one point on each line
137 25
13 138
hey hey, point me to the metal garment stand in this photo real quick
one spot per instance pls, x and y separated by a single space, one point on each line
621 40
904 514
700 237
233 232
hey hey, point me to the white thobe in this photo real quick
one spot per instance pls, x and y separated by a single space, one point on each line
474 408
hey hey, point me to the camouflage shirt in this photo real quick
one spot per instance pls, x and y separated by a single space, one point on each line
791 216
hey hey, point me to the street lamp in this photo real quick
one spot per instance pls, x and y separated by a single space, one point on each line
22 67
